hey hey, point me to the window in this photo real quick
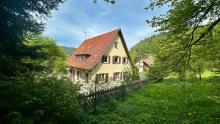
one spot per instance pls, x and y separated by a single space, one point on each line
80 58
116 76
125 60
81 76
116 60
103 77
116 45
90 46
105 59
124 75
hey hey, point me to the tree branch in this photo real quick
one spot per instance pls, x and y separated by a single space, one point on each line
207 31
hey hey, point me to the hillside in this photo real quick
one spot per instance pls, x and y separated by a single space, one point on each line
68 50
145 47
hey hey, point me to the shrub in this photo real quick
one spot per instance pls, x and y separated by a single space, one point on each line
38 99
155 74
131 75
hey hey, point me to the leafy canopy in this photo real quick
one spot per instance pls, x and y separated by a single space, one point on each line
17 18
184 19
51 58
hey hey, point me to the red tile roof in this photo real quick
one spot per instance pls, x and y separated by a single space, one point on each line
94 47
149 60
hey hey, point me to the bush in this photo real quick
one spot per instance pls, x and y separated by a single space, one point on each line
131 75
155 74
38 99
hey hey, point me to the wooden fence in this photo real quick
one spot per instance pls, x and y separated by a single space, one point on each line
104 94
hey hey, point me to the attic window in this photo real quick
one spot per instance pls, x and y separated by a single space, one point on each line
116 45
81 57
89 46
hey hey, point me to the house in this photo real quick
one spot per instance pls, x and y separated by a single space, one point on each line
144 64
105 57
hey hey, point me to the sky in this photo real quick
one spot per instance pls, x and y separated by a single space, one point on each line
68 24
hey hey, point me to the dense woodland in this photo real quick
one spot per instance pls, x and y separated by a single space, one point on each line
34 88
170 57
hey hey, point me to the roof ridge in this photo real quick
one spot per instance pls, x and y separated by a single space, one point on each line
102 34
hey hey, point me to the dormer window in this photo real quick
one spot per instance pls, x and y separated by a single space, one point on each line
81 57
116 45
105 59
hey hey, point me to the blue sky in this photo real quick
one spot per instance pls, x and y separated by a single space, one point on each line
68 23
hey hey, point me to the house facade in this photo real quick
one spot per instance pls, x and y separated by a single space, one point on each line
144 64
104 58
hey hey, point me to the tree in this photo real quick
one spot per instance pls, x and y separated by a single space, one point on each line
35 98
146 47
17 18
50 57
108 1
183 21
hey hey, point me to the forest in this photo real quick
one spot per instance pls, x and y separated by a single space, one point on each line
186 50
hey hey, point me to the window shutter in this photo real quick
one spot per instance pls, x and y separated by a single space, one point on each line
96 78
121 75
119 60
123 60
77 75
109 59
113 59
106 77
103 59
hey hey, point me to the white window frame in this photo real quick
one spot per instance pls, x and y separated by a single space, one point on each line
118 59
117 76
104 57
102 77
80 58
126 60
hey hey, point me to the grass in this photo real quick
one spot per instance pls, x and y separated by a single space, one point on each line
170 101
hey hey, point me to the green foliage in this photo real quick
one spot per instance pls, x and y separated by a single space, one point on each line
17 18
155 74
131 75
170 101
190 38
171 57
108 1
68 50
184 14
52 58
38 98
146 47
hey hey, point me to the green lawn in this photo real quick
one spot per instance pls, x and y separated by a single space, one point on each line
170 101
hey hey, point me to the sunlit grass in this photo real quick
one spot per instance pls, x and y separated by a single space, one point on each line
170 101
207 74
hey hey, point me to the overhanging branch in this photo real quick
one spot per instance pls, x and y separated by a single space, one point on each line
207 31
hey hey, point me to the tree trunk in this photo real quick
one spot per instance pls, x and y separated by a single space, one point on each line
200 75
181 76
